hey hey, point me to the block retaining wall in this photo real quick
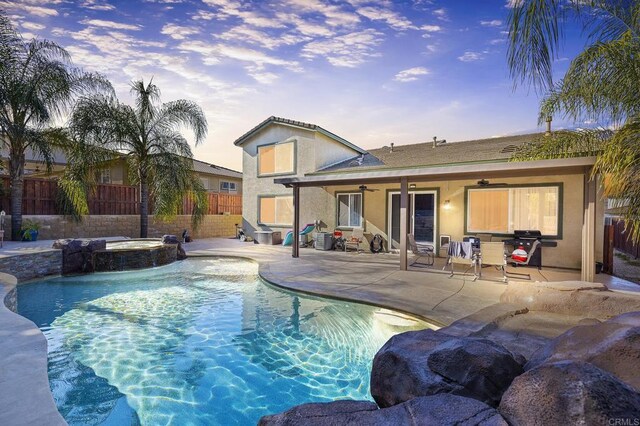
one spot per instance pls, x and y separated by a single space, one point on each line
54 227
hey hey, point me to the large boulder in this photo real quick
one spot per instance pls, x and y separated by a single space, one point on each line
613 346
569 392
318 413
77 254
444 409
426 363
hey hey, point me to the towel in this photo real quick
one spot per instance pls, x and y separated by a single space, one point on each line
460 249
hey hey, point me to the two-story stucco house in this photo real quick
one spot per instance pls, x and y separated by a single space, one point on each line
298 173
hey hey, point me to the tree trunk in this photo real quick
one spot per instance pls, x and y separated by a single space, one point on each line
144 208
16 176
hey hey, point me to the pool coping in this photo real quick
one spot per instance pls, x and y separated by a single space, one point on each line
25 393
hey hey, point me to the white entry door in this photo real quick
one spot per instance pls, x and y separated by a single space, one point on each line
422 217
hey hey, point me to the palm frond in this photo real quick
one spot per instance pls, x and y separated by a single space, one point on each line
600 85
564 144
620 166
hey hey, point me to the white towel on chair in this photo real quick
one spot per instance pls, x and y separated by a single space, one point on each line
461 249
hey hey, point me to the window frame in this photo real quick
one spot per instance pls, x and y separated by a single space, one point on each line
560 209
103 173
349 193
295 158
228 190
275 196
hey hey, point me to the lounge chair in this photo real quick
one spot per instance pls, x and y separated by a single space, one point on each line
288 239
421 251
357 236
492 254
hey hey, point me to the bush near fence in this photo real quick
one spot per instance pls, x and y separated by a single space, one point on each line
39 197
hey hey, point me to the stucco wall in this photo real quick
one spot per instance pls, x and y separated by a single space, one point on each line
54 227
451 220
312 151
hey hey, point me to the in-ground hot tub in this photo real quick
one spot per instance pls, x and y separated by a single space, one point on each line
134 254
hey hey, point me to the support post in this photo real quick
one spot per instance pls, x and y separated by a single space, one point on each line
404 222
589 229
295 250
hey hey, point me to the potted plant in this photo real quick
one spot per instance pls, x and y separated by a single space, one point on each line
29 230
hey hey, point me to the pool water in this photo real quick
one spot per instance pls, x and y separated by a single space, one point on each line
202 341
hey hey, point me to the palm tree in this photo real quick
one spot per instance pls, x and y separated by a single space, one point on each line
38 84
147 137
602 85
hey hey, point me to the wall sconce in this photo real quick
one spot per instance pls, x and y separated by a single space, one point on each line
412 186
447 204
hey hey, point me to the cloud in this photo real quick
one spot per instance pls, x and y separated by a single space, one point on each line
42 12
334 16
246 34
229 8
96 5
411 74
33 26
349 50
393 19
178 32
214 53
492 23
203 15
441 14
470 56
431 28
110 24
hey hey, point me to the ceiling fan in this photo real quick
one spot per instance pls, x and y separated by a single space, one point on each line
364 188
483 183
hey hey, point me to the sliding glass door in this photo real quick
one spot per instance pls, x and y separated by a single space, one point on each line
422 217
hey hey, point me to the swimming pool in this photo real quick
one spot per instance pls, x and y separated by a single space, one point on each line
202 341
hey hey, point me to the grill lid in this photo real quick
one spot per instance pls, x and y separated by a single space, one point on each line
527 233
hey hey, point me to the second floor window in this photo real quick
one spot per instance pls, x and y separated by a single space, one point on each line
228 186
105 176
276 159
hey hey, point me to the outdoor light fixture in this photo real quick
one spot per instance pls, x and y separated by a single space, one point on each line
447 204
412 186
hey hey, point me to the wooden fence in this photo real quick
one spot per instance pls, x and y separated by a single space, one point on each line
39 198
622 241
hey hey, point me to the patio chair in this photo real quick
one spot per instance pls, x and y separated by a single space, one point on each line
357 236
421 251
461 257
492 254
288 239
515 262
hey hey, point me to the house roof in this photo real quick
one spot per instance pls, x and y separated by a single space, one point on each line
298 124
208 168
424 154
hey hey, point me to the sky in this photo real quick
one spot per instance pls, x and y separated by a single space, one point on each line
372 72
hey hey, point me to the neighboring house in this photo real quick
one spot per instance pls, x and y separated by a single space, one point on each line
452 189
214 178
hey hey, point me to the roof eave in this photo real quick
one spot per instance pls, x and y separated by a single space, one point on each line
466 171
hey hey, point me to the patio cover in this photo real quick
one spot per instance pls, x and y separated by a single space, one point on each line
488 170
